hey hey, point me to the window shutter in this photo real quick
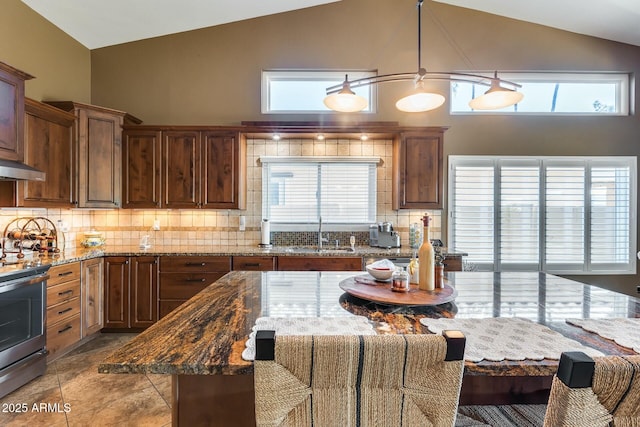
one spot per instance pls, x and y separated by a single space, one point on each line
300 190
473 212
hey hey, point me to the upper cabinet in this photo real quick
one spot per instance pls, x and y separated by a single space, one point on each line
48 146
98 137
183 168
12 112
417 170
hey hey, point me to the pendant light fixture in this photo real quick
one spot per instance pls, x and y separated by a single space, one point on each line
341 97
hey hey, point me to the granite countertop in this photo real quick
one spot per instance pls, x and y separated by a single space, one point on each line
79 254
207 334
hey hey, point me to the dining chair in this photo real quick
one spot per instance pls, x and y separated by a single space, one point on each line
585 392
595 392
358 380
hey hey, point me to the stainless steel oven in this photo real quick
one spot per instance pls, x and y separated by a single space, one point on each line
23 295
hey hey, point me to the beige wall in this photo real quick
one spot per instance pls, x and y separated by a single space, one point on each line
61 66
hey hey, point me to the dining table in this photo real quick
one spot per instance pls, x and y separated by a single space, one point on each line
205 343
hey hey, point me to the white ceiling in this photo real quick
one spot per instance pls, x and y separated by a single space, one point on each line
617 20
100 23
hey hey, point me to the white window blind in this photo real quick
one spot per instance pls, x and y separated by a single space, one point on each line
564 215
300 190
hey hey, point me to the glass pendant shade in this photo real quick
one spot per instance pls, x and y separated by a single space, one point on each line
345 101
420 100
495 98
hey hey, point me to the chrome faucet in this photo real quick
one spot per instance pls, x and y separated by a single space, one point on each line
320 238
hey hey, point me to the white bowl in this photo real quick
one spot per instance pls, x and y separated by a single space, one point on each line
379 273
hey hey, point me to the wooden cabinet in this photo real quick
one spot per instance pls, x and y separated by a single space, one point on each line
12 112
453 263
314 263
92 295
254 263
181 181
48 147
417 170
223 170
141 158
98 137
181 277
63 308
130 292
183 168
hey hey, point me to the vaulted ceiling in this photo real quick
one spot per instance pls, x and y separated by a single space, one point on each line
99 23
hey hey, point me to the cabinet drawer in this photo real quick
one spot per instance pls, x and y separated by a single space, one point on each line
63 273
63 292
254 263
453 263
185 285
310 263
62 311
181 264
63 334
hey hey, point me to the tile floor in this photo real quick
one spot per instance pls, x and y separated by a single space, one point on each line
90 399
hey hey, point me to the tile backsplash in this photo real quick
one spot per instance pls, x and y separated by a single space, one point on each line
208 228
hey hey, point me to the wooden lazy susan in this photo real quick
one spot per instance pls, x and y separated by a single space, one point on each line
366 287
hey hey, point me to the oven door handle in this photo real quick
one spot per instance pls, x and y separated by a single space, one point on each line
11 285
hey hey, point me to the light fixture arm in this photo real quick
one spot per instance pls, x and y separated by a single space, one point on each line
341 98
422 75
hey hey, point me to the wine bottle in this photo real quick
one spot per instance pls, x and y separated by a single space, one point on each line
426 279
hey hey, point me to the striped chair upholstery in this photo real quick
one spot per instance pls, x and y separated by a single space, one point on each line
353 380
585 392
595 392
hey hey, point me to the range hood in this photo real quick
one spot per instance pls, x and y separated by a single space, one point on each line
12 171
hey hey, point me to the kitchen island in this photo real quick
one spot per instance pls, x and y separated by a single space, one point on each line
200 343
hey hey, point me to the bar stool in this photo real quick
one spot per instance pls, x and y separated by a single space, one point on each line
585 392
356 380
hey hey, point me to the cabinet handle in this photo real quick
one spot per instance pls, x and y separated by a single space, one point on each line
65 310
196 264
65 329
252 264
194 280
70 291
66 273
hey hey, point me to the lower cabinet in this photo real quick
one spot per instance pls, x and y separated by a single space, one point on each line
181 277
92 295
313 263
63 308
130 292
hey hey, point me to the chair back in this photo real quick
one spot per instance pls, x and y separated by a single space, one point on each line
601 391
355 380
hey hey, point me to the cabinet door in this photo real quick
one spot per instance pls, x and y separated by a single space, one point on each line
181 169
417 170
141 168
116 292
99 158
223 171
144 291
92 296
49 148
11 112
